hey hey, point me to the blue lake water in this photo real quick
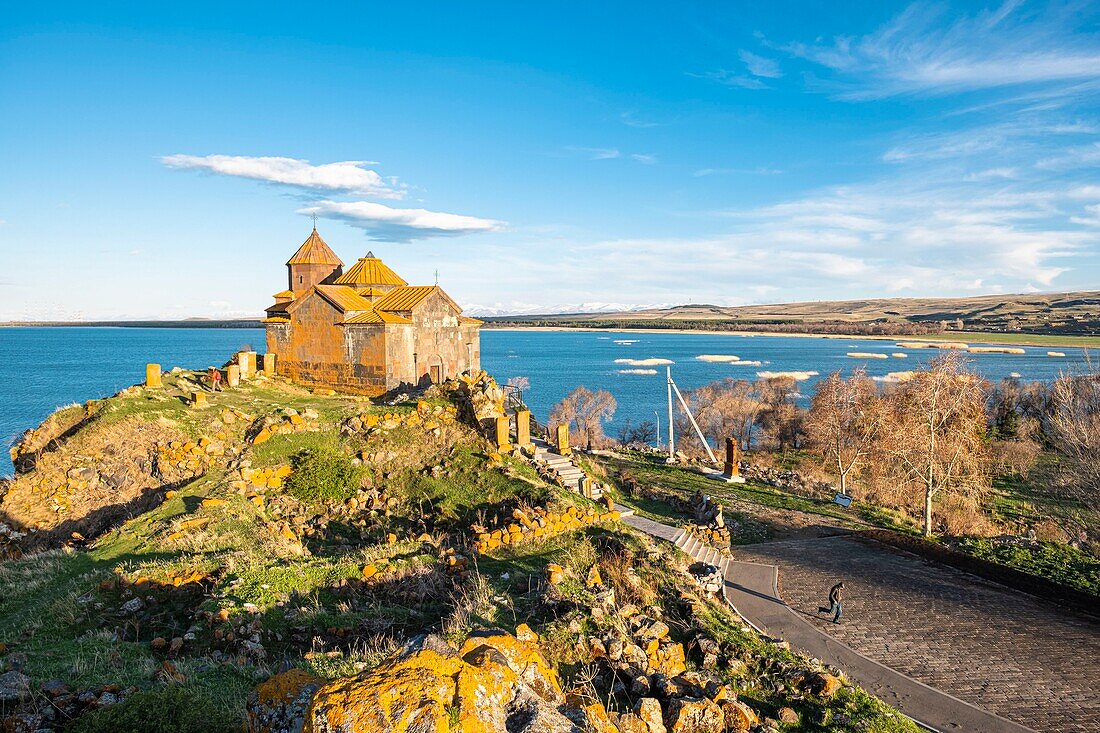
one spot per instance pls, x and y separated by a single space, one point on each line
42 369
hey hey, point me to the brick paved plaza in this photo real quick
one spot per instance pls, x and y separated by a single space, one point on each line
1001 650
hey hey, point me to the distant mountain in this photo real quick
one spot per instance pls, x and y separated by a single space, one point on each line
500 310
1075 313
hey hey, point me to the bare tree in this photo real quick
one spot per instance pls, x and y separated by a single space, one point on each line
1074 431
844 421
780 418
585 411
725 408
936 431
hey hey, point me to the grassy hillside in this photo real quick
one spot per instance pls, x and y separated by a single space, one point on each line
276 528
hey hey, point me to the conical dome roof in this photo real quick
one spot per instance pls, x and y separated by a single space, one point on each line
369 271
314 251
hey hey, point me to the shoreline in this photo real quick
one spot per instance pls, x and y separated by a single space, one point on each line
1033 340
1037 340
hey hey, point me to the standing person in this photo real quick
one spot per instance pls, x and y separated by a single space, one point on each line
835 607
215 376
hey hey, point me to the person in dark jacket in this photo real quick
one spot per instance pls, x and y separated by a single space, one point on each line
835 607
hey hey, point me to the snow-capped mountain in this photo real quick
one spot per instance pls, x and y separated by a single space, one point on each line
527 309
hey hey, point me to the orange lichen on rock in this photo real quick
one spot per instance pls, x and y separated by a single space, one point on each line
427 687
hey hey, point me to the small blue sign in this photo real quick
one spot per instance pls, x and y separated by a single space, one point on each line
843 499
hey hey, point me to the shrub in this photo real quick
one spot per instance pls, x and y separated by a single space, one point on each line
172 709
323 476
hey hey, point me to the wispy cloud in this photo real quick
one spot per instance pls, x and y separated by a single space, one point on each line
927 50
400 225
594 153
632 119
646 158
756 68
730 78
760 171
760 66
349 176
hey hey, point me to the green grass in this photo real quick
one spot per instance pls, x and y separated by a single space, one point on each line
685 483
1051 560
170 709
323 475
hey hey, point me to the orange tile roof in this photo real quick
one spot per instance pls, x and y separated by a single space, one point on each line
467 319
370 270
344 298
377 317
371 292
276 319
284 294
406 298
314 251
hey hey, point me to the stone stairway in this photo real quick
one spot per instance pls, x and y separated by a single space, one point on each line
563 466
701 552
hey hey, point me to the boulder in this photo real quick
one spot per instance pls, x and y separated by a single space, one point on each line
648 709
495 682
739 716
694 715
14 686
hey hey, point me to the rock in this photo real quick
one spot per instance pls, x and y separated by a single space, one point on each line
788 716
739 716
648 709
825 684
280 704
524 633
55 688
132 606
495 682
694 715
14 686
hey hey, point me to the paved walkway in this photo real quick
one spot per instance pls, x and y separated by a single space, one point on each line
963 647
1007 652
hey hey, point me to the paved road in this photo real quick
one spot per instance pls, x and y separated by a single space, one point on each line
1003 651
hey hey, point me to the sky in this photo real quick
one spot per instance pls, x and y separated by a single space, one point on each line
164 160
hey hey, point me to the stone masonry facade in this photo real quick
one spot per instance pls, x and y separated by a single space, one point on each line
365 331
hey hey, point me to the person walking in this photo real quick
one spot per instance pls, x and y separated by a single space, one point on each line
835 606
215 376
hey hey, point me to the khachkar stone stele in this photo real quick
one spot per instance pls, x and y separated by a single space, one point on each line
732 469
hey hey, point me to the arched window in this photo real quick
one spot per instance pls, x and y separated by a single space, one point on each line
299 279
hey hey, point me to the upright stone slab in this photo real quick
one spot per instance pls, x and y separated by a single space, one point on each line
563 440
269 365
233 375
152 375
246 360
585 485
503 443
523 429
733 463
198 399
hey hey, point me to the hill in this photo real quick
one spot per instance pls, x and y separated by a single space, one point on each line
268 554
1058 314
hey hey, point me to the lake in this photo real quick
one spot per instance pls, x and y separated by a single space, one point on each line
42 369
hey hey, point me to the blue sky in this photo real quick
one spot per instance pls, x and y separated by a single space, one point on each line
165 162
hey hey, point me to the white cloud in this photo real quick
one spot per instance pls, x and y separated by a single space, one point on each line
760 66
730 79
401 225
349 176
595 153
926 50
646 158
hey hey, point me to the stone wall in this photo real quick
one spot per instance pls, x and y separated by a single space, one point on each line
316 351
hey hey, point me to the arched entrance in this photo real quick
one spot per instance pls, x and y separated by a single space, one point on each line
436 370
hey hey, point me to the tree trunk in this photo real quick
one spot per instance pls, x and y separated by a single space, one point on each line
928 513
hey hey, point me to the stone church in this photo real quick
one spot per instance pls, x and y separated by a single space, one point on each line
365 331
